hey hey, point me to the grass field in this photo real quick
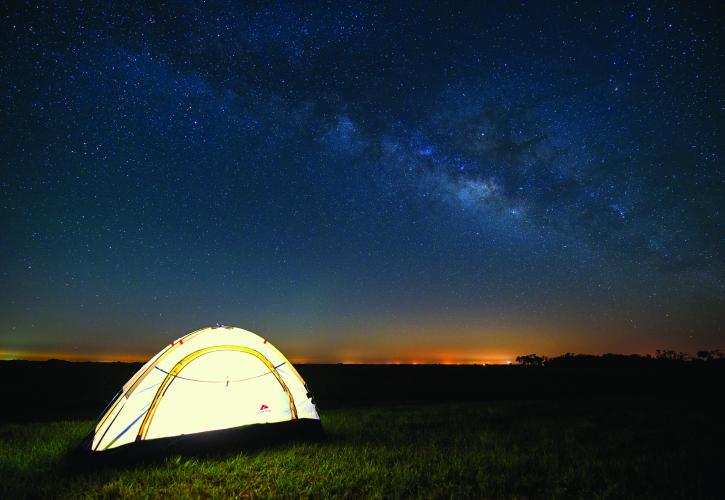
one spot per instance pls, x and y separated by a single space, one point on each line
597 448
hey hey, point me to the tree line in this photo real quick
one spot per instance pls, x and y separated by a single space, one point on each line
660 356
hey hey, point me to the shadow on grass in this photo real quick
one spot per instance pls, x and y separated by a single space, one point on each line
217 445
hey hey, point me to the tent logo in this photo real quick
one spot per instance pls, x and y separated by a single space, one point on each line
264 408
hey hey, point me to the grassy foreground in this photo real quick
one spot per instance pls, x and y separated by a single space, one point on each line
605 448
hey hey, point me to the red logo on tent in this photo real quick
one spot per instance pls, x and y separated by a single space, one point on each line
263 407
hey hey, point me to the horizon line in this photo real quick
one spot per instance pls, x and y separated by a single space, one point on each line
142 358
139 359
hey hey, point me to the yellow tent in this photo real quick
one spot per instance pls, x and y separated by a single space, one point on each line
211 379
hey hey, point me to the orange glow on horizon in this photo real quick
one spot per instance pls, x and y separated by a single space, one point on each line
419 341
347 360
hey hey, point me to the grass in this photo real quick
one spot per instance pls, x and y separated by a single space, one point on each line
599 448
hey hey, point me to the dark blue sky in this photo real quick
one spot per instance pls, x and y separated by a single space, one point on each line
362 182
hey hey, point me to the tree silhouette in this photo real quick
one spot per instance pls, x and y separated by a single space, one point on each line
712 355
670 355
531 360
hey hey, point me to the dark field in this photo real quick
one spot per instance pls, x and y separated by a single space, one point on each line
391 431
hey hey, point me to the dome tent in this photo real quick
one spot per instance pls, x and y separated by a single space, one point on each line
212 380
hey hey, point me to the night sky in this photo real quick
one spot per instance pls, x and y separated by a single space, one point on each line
361 182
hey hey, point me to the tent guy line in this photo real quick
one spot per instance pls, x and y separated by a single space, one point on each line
213 381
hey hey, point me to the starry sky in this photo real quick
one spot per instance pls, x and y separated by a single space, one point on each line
362 182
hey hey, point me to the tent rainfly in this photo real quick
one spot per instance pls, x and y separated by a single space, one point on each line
211 379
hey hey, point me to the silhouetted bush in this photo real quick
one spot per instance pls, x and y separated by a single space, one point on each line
531 360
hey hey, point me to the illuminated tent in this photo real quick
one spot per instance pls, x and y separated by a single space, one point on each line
211 379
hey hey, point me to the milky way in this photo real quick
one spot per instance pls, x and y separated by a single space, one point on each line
363 182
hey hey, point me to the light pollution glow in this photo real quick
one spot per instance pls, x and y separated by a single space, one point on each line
347 358
473 341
